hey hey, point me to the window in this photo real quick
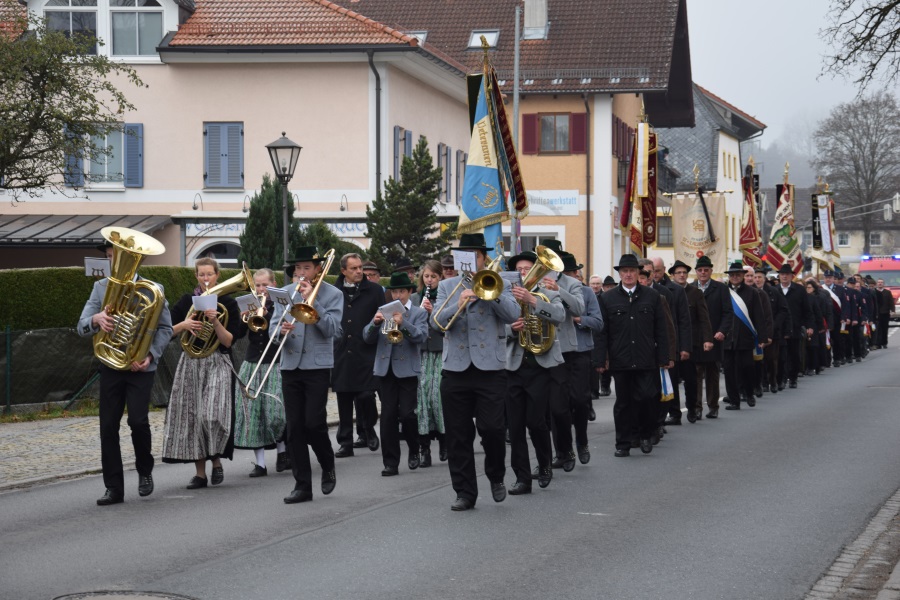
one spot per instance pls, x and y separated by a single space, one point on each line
490 35
121 164
223 145
73 17
461 159
664 232
402 147
136 32
556 133
874 238
106 167
843 240
529 243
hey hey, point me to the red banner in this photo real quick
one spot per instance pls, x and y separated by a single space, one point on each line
648 203
750 239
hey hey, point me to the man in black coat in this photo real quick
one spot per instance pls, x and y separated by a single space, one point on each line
801 324
681 315
634 346
781 322
741 342
701 340
886 308
354 360
718 303
765 332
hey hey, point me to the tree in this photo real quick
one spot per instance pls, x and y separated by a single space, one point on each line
403 222
319 235
262 240
57 102
857 153
865 35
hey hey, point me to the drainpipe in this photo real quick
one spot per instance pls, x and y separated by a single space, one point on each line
587 185
377 123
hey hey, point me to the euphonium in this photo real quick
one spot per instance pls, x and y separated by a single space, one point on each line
205 341
538 335
304 311
134 306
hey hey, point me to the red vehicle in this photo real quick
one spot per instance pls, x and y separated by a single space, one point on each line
887 268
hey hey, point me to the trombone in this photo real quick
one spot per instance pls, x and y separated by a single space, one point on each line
486 283
305 313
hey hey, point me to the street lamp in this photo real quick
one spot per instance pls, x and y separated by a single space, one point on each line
284 154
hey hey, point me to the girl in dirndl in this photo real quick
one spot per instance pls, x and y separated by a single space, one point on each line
430 411
259 423
200 418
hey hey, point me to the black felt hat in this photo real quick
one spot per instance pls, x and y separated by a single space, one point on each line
513 260
400 281
703 261
736 267
472 241
679 265
306 254
404 264
609 280
786 269
553 244
102 247
628 261
570 263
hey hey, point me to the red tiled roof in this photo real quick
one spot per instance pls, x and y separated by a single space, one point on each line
731 107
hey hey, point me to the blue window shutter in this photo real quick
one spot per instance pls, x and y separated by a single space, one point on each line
408 145
74 173
234 155
459 172
134 155
448 172
396 152
212 153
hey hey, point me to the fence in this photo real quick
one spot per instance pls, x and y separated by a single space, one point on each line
53 365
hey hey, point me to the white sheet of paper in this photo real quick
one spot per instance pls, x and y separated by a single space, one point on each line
96 267
204 303
280 297
511 277
388 310
247 302
464 260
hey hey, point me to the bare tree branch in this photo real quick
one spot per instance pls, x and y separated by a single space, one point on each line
865 37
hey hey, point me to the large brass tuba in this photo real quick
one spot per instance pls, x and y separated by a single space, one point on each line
134 306
538 335
205 341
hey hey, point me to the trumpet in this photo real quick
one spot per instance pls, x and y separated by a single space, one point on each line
390 329
486 284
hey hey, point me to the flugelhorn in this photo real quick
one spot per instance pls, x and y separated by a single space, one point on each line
205 341
538 335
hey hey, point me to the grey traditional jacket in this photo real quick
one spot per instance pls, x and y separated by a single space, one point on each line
552 312
405 358
573 300
591 320
312 346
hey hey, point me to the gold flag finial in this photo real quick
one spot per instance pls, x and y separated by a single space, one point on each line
752 163
787 168
696 177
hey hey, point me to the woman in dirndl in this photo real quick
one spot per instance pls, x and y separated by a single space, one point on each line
259 423
200 418
430 411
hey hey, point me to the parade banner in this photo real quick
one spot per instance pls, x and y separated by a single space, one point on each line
784 247
823 244
630 220
835 253
750 238
691 230
648 202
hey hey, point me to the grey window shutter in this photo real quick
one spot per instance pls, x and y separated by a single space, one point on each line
396 152
74 173
408 145
459 171
134 155
448 173
234 155
212 155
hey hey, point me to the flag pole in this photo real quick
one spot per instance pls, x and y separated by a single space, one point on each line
516 245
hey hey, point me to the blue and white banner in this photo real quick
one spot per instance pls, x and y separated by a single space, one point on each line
743 315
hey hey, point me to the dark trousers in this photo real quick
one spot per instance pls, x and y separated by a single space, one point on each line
479 395
595 374
398 406
366 415
561 412
708 376
305 395
738 366
857 339
884 321
636 406
789 360
528 390
684 371
578 372
119 389
770 362
605 380
837 344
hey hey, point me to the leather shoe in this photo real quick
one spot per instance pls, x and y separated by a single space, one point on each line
283 462
462 504
773 388
197 482
557 462
792 385
519 488
259 471
498 491
654 439
751 401
757 391
360 442
592 415
442 455
297 496
389 471
372 441
110 497
605 391
426 458
584 454
218 476
413 462
329 480
545 476
569 461
692 416
673 421
145 485
713 413
622 452
646 446
344 452
781 386
733 406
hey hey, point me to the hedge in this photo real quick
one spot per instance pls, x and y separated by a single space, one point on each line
55 296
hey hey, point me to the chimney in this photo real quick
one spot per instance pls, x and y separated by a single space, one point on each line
537 23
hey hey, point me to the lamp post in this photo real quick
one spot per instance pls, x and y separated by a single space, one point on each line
284 154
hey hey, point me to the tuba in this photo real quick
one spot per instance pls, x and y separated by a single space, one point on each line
538 335
205 342
135 306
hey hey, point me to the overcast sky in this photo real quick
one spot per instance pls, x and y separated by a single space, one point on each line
764 57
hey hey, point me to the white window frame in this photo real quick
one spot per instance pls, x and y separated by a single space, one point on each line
872 238
69 9
135 10
843 239
104 183
492 36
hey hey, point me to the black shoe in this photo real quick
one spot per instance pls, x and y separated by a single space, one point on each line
654 439
773 388
111 497
329 480
858 359
595 395
605 391
584 454
259 471
569 462
498 491
673 421
197 482
646 446
781 386
757 391
413 462
426 458
622 452
145 485
360 442
692 416
519 488
699 414
372 441
297 496
801 374
282 462
344 452
793 385
733 406
635 443
218 476
536 472
809 372
713 413
751 401
462 504
442 455
557 463
836 364
592 415
389 471
545 476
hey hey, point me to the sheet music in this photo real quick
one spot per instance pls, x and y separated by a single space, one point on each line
280 296
96 267
388 310
247 302
204 303
464 260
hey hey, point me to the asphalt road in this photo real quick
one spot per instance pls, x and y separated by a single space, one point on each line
754 505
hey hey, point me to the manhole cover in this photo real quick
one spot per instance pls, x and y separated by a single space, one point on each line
120 595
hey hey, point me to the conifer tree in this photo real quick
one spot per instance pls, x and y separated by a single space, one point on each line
262 239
